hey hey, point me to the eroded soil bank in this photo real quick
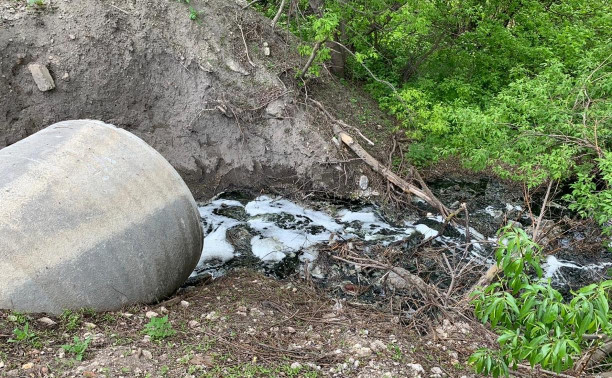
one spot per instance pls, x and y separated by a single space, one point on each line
188 89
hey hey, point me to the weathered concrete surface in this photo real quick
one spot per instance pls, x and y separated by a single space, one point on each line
91 216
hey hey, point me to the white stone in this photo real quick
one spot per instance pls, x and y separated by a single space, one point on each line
41 77
46 321
151 314
363 182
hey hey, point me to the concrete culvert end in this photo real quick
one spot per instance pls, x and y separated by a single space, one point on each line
92 217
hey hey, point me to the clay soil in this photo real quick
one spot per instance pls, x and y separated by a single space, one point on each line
244 324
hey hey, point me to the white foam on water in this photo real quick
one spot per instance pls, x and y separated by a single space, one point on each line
427 232
215 245
510 207
492 211
268 249
348 216
266 205
552 266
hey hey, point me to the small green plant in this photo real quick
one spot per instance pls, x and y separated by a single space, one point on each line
193 14
533 321
17 317
397 352
78 347
70 319
159 328
164 370
24 336
36 3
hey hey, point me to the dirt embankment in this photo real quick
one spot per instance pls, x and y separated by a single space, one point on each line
187 87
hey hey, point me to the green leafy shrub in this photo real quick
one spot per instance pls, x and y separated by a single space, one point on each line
532 319
23 335
78 347
518 87
70 320
159 328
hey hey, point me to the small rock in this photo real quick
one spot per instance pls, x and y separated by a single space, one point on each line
275 109
377 346
401 279
46 321
212 316
163 310
362 351
363 182
89 325
147 354
41 76
127 315
417 369
296 365
266 49
193 323
146 339
1 364
151 314
27 366
72 36
66 76
184 304
11 318
290 329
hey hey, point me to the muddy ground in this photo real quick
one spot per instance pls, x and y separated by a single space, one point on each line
244 324
184 86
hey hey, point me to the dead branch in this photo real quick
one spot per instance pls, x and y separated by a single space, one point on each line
246 47
311 58
380 168
596 355
278 14
249 4
539 221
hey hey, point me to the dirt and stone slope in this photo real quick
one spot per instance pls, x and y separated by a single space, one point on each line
187 87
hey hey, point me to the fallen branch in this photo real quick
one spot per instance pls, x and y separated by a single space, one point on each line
311 58
246 47
278 14
249 4
596 355
380 168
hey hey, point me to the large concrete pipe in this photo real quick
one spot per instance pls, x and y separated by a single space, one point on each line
92 217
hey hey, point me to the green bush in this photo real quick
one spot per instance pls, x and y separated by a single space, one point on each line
159 328
532 319
78 347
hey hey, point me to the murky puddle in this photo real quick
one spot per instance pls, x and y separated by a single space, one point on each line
280 236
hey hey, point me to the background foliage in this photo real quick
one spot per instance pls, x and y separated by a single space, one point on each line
517 86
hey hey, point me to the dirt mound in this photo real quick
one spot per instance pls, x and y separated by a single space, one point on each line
185 86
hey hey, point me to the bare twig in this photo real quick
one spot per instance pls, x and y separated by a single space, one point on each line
119 9
246 47
378 167
311 58
249 4
542 211
278 14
